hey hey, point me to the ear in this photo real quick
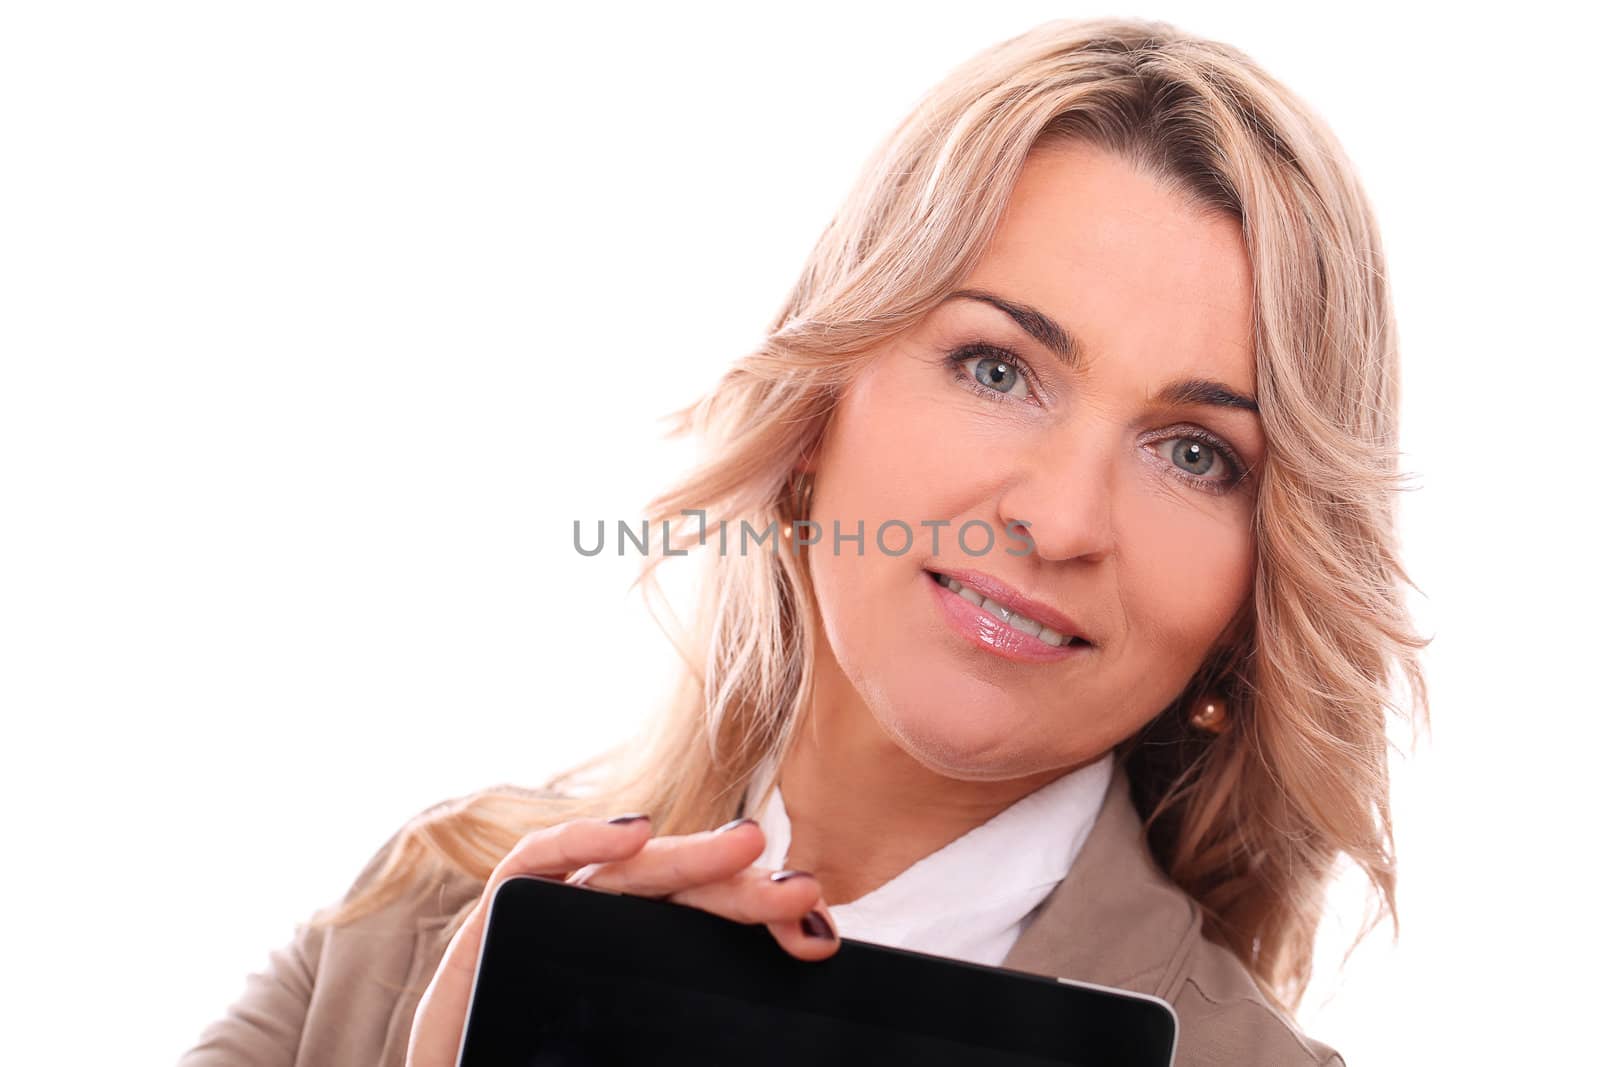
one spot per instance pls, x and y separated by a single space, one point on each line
807 463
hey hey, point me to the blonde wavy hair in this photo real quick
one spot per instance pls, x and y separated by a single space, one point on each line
1250 824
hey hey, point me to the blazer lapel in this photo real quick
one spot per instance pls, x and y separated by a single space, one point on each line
1116 919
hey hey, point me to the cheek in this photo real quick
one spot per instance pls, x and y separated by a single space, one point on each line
1188 569
874 468
903 446
888 452
891 455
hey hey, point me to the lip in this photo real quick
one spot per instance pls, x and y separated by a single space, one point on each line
987 632
1011 600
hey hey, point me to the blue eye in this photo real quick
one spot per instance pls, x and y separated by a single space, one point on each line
1195 452
1189 450
999 375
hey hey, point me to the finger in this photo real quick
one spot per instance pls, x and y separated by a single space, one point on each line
812 937
556 850
669 865
754 895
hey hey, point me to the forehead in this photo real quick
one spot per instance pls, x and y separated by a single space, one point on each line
1148 284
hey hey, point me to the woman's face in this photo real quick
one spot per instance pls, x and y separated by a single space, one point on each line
1053 393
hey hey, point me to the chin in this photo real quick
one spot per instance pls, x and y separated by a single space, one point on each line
965 741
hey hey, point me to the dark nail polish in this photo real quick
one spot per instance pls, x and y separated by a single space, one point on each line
734 825
623 820
784 876
815 924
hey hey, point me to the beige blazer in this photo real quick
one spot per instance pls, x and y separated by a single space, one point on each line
346 997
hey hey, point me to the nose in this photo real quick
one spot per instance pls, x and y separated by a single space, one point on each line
1062 489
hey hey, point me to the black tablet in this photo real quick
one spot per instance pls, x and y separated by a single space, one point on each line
569 975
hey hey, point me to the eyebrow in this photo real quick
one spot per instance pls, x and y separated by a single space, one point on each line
1059 340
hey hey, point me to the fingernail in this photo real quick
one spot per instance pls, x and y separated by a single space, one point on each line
815 924
623 820
734 825
784 876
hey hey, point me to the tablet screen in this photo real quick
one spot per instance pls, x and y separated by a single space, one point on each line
571 975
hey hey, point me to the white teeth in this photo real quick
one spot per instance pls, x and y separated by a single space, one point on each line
1026 625
1001 613
1015 620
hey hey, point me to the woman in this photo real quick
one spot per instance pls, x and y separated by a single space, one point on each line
1075 652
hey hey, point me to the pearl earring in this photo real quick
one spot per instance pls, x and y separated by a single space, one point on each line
1210 715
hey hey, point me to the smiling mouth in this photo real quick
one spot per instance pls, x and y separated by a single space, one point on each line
1014 619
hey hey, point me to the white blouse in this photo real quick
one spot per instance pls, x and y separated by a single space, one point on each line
972 898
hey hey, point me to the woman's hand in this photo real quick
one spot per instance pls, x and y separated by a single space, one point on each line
711 871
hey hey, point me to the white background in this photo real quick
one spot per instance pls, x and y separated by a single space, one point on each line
320 323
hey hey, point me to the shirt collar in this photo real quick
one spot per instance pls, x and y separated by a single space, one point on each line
969 895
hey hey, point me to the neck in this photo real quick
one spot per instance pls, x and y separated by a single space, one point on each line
860 809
